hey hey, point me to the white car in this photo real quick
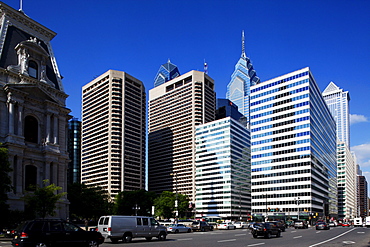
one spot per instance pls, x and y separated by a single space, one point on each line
226 226
241 224
176 228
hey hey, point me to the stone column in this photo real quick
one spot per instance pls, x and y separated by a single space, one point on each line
11 113
56 119
20 117
47 128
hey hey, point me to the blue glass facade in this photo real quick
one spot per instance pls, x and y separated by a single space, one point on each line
166 72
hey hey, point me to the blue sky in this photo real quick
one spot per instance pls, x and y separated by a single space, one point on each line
332 37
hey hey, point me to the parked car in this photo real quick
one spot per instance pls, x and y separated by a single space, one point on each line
176 228
279 224
241 224
346 224
54 232
332 224
265 229
300 224
226 226
321 225
201 226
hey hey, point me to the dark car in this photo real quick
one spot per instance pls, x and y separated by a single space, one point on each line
279 224
54 232
321 225
265 229
201 226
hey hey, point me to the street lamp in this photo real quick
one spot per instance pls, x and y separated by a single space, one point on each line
136 208
176 201
297 201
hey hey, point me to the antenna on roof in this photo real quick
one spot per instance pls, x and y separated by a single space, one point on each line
205 67
21 6
243 45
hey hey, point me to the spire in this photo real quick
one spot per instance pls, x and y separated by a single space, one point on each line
243 45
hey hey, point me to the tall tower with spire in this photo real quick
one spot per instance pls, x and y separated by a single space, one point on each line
166 72
243 77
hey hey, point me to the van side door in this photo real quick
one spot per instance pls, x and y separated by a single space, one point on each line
146 227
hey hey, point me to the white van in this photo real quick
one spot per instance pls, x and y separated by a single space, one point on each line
367 221
126 228
357 222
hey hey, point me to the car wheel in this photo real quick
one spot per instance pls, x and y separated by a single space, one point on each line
202 229
189 230
176 231
41 245
268 235
162 236
278 235
148 238
92 243
127 238
255 235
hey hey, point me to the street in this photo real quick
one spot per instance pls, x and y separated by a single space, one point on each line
336 236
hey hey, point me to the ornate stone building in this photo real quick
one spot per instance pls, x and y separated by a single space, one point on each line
33 113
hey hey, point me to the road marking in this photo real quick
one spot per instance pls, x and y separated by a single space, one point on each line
332 238
255 244
226 240
297 237
240 234
360 232
183 239
348 242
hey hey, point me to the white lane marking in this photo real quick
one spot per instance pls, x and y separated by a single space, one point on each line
332 238
226 240
297 237
240 234
183 239
255 244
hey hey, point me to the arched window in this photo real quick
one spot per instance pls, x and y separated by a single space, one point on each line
32 69
30 178
31 129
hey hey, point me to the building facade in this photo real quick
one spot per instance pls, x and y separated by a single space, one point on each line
74 151
166 72
223 170
347 182
113 133
363 206
243 77
338 102
33 109
175 109
293 136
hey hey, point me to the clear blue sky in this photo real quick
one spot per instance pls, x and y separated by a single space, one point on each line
332 37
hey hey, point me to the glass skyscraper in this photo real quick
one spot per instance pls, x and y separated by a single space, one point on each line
74 151
244 76
293 134
166 72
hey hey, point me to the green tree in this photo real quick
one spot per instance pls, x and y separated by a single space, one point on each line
165 204
5 185
88 202
127 201
43 201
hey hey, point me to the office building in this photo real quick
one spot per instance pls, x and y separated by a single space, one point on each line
362 194
243 77
347 182
33 111
74 151
166 72
223 170
175 109
293 139
338 102
113 133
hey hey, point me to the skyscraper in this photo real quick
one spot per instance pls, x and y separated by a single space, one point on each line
338 102
74 151
33 111
113 132
223 170
293 138
243 77
175 109
166 72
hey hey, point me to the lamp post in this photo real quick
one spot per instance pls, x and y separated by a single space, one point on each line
176 201
297 201
136 208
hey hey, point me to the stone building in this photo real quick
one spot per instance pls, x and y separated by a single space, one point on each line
33 113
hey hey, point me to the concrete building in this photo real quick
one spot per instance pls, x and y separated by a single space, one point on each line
175 109
293 138
362 194
33 109
243 77
113 133
223 170
347 182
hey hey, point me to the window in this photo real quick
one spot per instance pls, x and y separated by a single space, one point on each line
30 178
32 69
31 129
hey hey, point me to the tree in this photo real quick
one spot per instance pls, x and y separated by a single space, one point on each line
42 202
5 184
88 202
138 202
165 204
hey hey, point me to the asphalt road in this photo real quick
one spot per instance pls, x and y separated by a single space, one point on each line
335 237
